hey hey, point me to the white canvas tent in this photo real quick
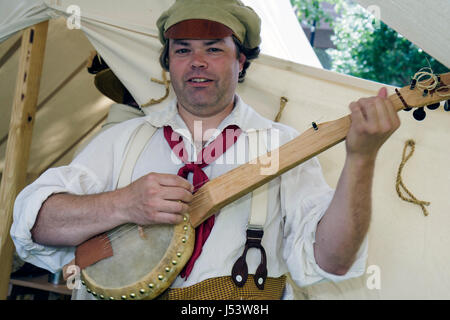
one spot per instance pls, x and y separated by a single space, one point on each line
409 250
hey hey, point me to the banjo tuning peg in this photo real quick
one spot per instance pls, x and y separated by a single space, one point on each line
419 114
447 105
434 106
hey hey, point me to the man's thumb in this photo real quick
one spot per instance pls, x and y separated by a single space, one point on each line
382 93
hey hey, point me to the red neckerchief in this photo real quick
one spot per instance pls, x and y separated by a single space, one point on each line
208 155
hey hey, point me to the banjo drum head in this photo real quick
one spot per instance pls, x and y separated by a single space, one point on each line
144 262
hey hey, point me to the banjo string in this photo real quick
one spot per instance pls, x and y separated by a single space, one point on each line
116 234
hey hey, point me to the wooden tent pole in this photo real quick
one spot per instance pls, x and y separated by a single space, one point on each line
19 141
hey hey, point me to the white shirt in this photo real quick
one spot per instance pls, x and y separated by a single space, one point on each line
297 200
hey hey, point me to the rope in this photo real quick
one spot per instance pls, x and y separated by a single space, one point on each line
423 75
166 83
427 74
283 102
399 183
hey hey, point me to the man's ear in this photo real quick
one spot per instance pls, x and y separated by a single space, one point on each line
242 59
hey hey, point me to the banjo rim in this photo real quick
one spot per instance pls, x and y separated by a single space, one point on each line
159 278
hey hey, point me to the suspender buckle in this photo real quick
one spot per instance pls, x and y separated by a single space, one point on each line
239 273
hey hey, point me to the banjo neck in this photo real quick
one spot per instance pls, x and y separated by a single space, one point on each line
234 184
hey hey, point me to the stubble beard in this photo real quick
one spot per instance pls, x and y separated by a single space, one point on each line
204 104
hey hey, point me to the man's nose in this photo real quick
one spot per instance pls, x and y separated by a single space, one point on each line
199 60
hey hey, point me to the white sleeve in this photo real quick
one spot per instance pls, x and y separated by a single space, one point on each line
305 196
89 173
69 179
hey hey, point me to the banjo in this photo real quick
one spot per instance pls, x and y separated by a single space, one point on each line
133 262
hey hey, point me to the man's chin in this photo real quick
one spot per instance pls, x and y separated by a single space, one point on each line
202 102
202 108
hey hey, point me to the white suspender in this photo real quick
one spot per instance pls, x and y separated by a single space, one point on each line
138 141
257 140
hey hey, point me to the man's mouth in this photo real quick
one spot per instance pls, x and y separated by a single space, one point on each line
199 80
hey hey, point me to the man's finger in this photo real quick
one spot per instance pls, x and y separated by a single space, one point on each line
393 114
357 115
172 206
176 193
382 93
167 217
372 117
384 120
172 180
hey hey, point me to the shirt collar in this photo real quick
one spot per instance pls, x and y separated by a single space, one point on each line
244 116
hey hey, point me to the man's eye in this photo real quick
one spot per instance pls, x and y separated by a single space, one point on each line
215 50
181 51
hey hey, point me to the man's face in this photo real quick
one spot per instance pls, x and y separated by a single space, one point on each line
204 74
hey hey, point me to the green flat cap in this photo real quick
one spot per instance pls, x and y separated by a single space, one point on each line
241 19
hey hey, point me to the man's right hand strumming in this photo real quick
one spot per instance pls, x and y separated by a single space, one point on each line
68 220
155 198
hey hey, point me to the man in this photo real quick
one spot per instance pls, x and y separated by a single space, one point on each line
310 231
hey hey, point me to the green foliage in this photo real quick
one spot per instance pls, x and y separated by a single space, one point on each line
369 49
365 47
310 11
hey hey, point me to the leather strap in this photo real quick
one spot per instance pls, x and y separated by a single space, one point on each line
239 273
92 251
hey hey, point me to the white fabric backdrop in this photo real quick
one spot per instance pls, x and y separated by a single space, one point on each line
17 15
